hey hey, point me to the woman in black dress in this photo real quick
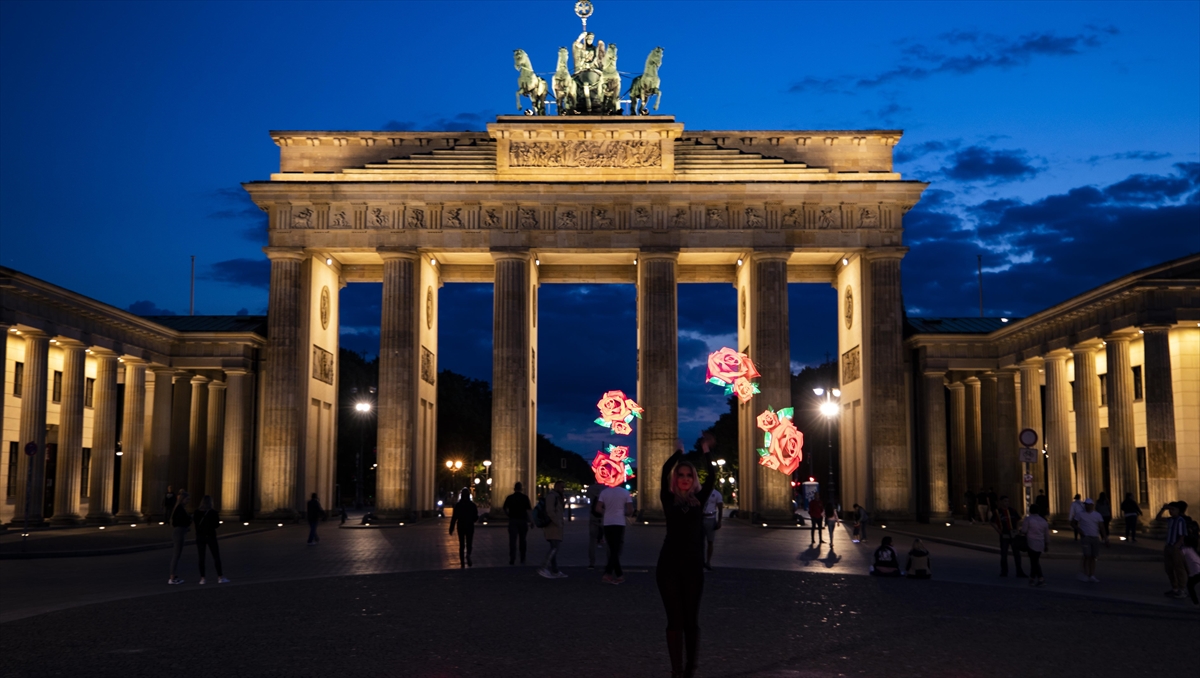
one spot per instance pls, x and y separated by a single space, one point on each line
680 572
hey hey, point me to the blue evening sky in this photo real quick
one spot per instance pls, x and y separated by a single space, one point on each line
1061 141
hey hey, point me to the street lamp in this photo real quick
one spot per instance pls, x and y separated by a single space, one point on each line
829 409
363 408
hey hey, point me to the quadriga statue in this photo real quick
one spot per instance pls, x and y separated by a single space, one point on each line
529 84
646 85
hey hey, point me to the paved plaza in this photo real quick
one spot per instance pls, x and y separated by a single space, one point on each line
393 601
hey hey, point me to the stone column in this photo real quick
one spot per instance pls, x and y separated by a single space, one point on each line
4 332
1061 482
1087 422
181 430
104 438
133 439
987 425
158 454
771 351
233 449
1008 460
1162 464
33 429
1122 449
198 442
887 425
958 440
399 370
974 464
658 361
940 491
285 377
215 440
70 436
1031 414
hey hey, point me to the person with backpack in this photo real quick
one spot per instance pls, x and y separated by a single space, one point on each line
919 564
207 521
517 508
549 517
466 513
315 513
887 563
1004 522
180 523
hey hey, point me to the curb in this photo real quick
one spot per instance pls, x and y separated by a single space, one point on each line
1054 555
34 555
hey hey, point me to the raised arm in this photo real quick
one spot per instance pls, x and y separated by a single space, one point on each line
664 488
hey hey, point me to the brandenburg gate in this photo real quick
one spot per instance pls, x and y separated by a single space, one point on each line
539 200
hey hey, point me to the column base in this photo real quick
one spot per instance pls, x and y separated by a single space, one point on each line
101 519
280 515
393 516
19 524
69 520
229 515
940 517
130 517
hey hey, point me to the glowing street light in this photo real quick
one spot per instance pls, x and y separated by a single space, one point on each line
829 409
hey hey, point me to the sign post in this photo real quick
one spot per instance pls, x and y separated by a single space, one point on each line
31 449
1029 456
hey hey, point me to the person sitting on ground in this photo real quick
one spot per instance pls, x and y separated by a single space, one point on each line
887 563
369 518
918 565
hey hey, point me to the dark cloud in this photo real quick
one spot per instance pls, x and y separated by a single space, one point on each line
240 272
235 206
1146 156
910 153
1040 253
243 311
982 51
978 163
461 121
147 307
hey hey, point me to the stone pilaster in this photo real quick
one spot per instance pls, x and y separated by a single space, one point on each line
987 424
939 490
974 465
1031 414
215 440
1061 483
198 442
233 450
33 429
133 442
158 453
285 378
886 418
70 436
4 390
958 439
181 430
1162 464
104 438
1122 448
399 370
658 360
1087 422
1008 460
771 352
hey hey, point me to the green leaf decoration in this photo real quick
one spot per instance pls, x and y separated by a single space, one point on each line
636 414
762 452
628 418
786 412
603 423
767 439
716 382
755 385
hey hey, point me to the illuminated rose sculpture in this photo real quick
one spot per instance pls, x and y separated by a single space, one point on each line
613 466
734 371
783 443
617 411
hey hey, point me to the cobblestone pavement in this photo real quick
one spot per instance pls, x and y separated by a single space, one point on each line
393 601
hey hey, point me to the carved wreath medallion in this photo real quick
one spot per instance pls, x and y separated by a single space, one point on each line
849 307
325 308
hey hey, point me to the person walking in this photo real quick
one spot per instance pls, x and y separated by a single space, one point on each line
315 514
831 522
1173 562
680 570
1089 524
615 507
1004 522
180 523
517 508
1130 510
1104 508
714 515
207 521
1037 540
553 532
816 511
918 565
1073 514
887 563
595 522
466 514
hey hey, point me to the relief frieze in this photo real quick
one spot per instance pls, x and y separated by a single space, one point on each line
585 153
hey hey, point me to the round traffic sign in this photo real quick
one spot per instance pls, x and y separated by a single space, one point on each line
31 449
1028 437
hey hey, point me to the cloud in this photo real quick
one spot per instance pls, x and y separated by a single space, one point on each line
1146 156
460 121
910 153
147 307
964 53
978 163
240 272
236 206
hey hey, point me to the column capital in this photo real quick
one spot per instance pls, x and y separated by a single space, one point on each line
394 253
657 254
971 380
134 360
198 380
521 254
216 385
875 253
1125 336
1089 346
1156 327
100 353
770 255
1035 361
69 343
236 371
955 385
1061 354
285 253
160 369
31 333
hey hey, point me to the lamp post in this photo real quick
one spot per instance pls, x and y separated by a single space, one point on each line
453 467
487 472
829 409
363 408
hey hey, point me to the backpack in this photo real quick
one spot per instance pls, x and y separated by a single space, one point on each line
540 517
